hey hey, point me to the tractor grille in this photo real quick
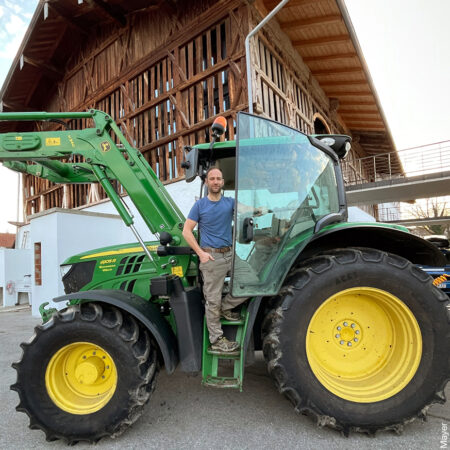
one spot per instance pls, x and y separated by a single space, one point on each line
78 276
130 264
127 285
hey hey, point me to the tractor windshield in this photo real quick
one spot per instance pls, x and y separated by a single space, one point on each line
280 171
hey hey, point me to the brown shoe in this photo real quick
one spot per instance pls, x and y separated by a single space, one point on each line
231 316
224 345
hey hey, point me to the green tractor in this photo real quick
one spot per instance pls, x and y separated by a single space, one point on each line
354 334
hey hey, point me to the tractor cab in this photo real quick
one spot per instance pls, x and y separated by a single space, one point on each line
293 177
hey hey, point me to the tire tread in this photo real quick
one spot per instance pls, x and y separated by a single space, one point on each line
132 333
298 278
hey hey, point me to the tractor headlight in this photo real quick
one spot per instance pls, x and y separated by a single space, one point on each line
65 269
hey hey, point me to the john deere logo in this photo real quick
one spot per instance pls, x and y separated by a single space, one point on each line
106 146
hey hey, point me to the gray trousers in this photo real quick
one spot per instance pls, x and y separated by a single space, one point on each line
214 273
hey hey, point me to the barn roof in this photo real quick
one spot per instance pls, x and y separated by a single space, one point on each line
320 30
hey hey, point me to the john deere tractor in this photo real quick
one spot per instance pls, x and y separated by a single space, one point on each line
355 335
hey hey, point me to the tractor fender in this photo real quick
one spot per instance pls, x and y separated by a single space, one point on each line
390 240
144 311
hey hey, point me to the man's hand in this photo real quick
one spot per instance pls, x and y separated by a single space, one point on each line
260 211
205 256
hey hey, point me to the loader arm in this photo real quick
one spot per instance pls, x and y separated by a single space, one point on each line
108 157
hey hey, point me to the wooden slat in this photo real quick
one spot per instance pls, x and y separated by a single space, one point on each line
312 21
190 55
164 76
332 57
145 99
337 70
218 43
220 90
198 54
357 118
209 62
270 4
357 103
358 111
191 104
349 93
328 40
334 83
210 94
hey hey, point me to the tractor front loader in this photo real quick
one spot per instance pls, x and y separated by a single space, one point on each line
355 335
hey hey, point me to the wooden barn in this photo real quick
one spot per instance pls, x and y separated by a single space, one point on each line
165 69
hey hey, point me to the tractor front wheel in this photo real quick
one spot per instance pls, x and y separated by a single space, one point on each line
359 339
86 373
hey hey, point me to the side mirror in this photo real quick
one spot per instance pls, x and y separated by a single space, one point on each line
340 143
190 163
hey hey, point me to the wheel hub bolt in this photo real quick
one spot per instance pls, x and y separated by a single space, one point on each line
347 333
89 370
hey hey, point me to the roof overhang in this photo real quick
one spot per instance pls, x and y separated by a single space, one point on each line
322 33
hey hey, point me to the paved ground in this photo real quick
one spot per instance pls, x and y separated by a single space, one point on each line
184 415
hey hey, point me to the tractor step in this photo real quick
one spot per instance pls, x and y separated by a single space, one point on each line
225 369
225 355
229 322
222 382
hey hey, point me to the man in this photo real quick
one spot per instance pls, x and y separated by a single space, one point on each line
214 214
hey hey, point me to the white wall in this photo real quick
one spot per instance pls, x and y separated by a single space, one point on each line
14 266
63 233
356 214
183 193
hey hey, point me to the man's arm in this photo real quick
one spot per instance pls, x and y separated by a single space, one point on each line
254 211
188 228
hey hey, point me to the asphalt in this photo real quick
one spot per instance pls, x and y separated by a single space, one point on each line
182 414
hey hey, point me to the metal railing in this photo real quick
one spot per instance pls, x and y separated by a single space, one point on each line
423 160
420 209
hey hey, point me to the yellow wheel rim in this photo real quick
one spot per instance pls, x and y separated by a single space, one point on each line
364 344
81 378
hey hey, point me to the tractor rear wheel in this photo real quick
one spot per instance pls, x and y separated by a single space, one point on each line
360 340
85 374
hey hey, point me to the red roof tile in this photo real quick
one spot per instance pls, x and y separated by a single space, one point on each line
7 240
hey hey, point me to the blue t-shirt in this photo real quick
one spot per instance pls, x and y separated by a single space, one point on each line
214 221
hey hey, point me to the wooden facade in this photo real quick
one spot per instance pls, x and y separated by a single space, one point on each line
165 70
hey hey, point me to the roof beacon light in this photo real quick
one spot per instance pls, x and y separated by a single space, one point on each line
219 126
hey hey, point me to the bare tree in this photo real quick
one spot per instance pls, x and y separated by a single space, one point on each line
431 208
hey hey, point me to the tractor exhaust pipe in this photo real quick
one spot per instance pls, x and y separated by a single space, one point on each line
247 51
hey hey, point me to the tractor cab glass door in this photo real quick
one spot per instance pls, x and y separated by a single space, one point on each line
284 185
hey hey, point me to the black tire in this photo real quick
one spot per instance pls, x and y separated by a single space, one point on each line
324 277
127 343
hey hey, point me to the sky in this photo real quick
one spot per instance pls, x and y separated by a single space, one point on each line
406 44
14 19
